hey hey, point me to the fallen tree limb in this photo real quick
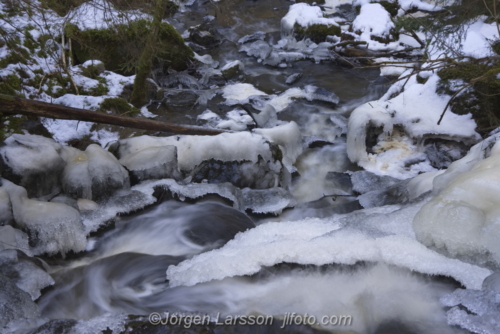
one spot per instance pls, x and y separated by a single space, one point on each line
16 105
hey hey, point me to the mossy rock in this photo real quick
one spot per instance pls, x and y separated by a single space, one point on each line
120 47
316 32
119 106
482 99
391 7
9 125
93 71
146 6
62 7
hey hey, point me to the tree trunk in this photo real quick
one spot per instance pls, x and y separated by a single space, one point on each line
15 105
146 60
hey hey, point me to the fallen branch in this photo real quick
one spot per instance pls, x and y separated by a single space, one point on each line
16 105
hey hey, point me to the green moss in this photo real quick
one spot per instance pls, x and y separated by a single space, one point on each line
316 32
9 125
495 46
61 7
421 80
119 106
391 7
99 90
120 47
10 85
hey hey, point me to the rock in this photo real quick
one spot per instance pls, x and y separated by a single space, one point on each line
6 217
338 183
232 69
290 80
441 153
364 181
16 304
259 35
205 35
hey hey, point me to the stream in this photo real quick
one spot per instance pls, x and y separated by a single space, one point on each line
319 255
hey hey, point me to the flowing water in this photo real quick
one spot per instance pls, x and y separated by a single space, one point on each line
125 270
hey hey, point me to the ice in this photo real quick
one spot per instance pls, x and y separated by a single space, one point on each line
474 310
153 163
94 174
15 304
239 93
492 282
193 150
288 137
266 201
364 181
422 183
52 227
403 120
35 160
110 322
462 219
376 235
303 15
23 271
11 238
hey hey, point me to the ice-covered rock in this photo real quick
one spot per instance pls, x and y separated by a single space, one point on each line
12 238
304 15
422 183
492 282
385 136
27 273
474 310
462 219
16 303
219 158
52 227
152 163
94 174
34 162
266 201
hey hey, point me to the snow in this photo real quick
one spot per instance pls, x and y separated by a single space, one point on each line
240 93
417 110
374 20
304 15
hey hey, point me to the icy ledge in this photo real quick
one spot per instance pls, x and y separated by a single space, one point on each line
376 238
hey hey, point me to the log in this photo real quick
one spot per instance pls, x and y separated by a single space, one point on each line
16 105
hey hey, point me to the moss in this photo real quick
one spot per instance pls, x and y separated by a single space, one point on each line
119 106
421 80
9 125
120 47
495 46
61 7
10 85
391 7
482 100
317 32
99 90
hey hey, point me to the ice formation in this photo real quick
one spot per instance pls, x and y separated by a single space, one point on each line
35 160
153 163
400 129
94 174
52 227
24 272
16 304
374 235
462 219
